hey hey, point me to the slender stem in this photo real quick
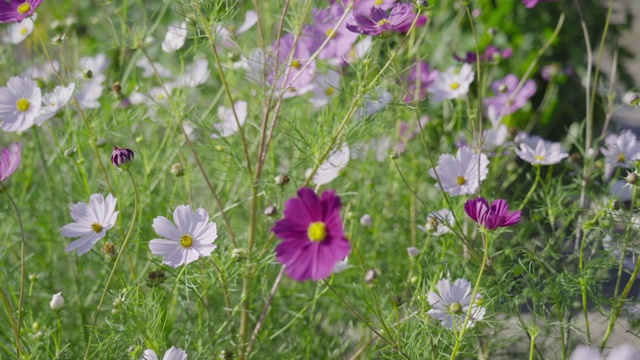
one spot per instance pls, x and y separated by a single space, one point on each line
583 290
223 285
22 270
467 318
272 293
115 263
533 188
532 347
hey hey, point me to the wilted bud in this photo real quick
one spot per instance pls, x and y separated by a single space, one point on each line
370 275
225 355
615 205
632 178
271 211
117 302
155 278
88 74
413 251
177 169
121 158
116 88
109 250
366 220
57 302
239 254
282 180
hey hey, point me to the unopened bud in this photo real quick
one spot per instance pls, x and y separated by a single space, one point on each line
177 169
413 251
632 178
239 254
121 158
271 211
282 180
57 302
370 275
70 152
116 88
155 278
88 74
366 220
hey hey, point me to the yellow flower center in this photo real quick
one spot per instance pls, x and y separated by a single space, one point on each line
461 180
331 33
23 104
329 91
382 22
160 97
455 86
455 308
23 31
232 28
621 157
538 157
296 64
378 2
24 8
317 231
96 227
186 241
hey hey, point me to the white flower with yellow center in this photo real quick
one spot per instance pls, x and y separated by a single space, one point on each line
54 101
463 173
190 238
92 221
17 32
175 38
20 104
544 153
453 83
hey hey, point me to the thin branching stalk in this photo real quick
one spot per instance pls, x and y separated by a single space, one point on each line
263 315
533 188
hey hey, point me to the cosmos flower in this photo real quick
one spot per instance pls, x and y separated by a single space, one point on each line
418 80
620 151
325 88
313 240
92 221
330 169
121 158
296 69
228 124
491 217
462 174
17 32
226 34
54 102
438 222
175 38
20 104
341 39
379 21
621 352
506 99
532 3
450 304
491 53
453 83
17 10
10 160
544 153
194 75
173 353
190 238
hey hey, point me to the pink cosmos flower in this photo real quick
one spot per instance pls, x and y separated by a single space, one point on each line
10 160
506 99
17 10
491 217
300 68
379 21
419 76
532 3
341 40
490 54
313 239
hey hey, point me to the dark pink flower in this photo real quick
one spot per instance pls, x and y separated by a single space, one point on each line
10 160
17 10
531 3
379 21
313 239
491 217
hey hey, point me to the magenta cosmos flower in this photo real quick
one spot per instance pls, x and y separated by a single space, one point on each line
313 240
17 10
10 160
379 21
491 217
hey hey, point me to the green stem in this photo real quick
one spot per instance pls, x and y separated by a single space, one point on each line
533 188
115 263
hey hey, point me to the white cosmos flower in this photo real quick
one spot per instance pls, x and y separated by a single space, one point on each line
226 34
452 84
54 101
90 92
149 69
17 32
228 125
194 75
92 221
462 174
372 106
620 150
451 302
438 222
97 65
621 352
544 153
325 89
172 354
175 38
189 239
330 169
43 71
20 104
494 137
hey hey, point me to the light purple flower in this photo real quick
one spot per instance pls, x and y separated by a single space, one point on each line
462 174
532 3
313 239
451 303
620 151
491 53
17 10
506 99
10 160
453 83
91 222
300 69
341 40
418 80
379 21
491 217
544 153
